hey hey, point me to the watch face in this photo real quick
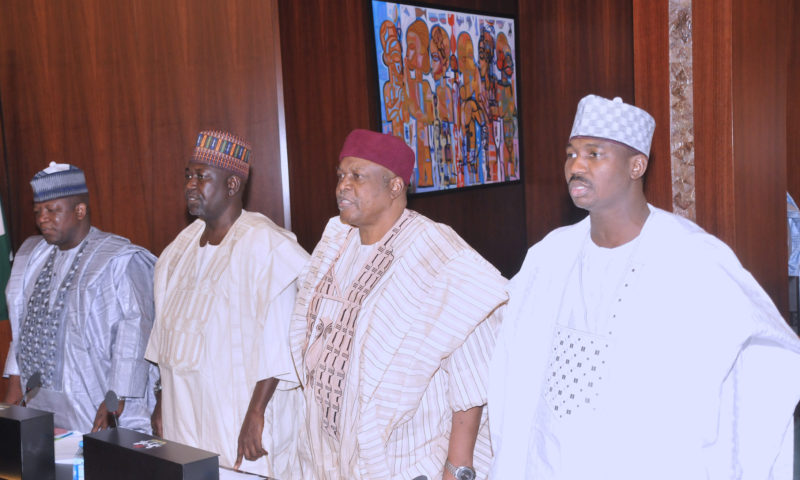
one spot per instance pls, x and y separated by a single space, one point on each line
465 473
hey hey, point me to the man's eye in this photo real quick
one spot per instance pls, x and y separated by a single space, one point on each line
571 155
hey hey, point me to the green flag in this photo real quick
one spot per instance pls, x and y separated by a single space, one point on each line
5 263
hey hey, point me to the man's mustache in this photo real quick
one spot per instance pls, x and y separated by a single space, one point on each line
578 178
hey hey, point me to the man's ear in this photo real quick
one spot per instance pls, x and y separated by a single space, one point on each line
234 184
397 186
80 210
638 166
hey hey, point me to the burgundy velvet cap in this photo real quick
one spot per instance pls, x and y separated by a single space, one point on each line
387 150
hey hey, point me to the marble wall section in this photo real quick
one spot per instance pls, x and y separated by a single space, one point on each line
681 108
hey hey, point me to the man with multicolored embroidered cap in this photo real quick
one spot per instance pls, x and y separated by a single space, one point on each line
634 344
224 291
81 308
394 324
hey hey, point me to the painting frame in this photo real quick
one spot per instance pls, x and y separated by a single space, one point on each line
447 84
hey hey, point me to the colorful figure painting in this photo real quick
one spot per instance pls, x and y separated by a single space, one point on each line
447 86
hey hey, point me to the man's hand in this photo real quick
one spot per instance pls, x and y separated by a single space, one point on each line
250 446
155 418
104 418
14 393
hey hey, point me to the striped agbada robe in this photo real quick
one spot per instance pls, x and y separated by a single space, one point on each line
222 327
423 338
107 318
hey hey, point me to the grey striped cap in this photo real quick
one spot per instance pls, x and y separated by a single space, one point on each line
58 180
614 120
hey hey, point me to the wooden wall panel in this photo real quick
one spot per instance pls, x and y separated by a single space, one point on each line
793 102
330 89
326 75
651 77
740 95
122 88
574 48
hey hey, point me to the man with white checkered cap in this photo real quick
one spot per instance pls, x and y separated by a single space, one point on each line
634 344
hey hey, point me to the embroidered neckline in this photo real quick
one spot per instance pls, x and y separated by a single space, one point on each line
41 330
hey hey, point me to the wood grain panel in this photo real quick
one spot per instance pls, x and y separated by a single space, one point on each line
712 49
330 89
759 119
122 88
574 48
651 78
793 101
740 131
326 80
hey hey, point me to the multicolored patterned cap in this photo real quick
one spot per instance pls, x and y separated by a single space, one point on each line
58 180
614 120
223 150
387 150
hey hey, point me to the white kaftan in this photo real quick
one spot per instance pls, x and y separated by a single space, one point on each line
217 333
699 370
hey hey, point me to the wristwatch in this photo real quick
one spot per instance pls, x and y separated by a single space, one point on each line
461 473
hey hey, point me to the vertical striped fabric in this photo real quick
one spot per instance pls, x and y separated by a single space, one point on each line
423 340
219 332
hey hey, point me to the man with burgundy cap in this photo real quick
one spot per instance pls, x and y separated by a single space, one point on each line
224 291
80 303
392 331
634 344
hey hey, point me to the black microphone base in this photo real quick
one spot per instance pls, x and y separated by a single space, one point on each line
27 450
124 454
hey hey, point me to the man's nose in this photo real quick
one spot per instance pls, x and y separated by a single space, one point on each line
576 164
344 183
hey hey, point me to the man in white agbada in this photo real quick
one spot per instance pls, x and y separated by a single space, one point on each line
634 344
224 291
80 302
392 332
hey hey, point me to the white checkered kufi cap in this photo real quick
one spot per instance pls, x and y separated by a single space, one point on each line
614 120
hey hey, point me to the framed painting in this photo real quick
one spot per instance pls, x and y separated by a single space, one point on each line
447 86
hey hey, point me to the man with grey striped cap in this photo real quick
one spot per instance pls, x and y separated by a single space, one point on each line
634 344
80 303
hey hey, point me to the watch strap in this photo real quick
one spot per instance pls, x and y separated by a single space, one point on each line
455 470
